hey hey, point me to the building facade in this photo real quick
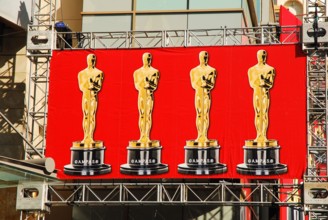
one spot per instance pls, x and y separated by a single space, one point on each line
112 16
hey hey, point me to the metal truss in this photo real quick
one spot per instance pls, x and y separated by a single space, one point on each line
39 49
44 12
219 193
37 90
316 113
317 100
41 42
172 191
178 38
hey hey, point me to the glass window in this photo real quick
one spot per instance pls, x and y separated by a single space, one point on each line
258 10
214 20
247 14
208 4
161 22
107 5
161 4
106 23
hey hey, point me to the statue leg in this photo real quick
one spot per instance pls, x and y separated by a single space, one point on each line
85 122
206 123
148 118
92 116
141 108
265 118
258 118
199 116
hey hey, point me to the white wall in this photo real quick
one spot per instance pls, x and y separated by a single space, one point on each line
16 11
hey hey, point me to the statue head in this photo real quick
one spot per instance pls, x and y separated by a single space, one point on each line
146 59
91 60
262 56
203 57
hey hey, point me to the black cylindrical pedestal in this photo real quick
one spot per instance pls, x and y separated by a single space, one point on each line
261 161
144 161
87 162
202 161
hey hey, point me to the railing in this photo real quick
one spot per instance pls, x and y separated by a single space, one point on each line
179 38
220 193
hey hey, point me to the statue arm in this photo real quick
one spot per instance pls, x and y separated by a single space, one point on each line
210 80
136 81
153 81
97 83
269 78
193 80
80 81
250 78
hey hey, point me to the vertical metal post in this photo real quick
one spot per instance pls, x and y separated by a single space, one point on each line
163 40
262 35
183 193
83 193
187 40
93 43
127 39
224 36
325 121
121 193
223 185
261 192
159 192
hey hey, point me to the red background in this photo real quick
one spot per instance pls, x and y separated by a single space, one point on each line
286 18
232 114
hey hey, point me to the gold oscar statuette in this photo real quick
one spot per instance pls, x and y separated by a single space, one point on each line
90 82
261 77
261 155
202 80
87 156
202 154
145 81
144 155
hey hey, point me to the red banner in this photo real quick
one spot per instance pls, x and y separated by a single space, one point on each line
286 18
174 115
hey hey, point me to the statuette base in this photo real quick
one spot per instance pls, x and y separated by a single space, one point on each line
209 143
87 161
144 161
261 161
202 160
95 144
138 144
264 144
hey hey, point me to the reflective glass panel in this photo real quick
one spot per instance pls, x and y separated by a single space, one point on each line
161 4
161 22
214 20
107 5
210 4
106 23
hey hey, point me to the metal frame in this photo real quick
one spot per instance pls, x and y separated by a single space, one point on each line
316 111
172 191
175 191
39 51
196 193
317 114
181 192
178 38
